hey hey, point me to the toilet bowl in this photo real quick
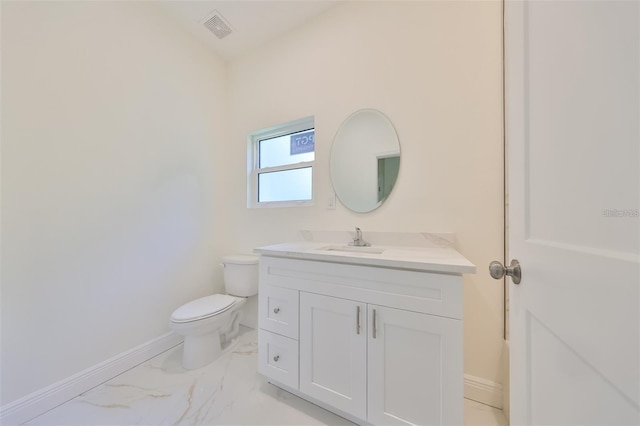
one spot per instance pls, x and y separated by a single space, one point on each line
208 323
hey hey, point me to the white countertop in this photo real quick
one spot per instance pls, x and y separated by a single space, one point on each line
432 259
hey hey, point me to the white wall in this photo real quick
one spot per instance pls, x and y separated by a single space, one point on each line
434 68
112 129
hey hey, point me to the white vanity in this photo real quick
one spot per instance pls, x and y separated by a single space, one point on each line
371 333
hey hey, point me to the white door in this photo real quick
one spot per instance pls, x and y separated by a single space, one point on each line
333 352
572 86
415 368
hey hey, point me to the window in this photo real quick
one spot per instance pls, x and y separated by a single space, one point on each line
280 162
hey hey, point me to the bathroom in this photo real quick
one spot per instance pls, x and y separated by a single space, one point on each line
124 147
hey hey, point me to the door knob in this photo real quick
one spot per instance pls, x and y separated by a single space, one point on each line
497 271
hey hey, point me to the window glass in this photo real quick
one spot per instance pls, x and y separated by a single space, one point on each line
285 185
288 149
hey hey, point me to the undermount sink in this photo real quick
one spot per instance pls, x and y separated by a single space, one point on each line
353 249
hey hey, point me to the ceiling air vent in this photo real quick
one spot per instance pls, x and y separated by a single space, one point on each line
217 25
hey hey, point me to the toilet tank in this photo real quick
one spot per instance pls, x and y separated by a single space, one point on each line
241 274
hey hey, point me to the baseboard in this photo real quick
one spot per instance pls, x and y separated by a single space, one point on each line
483 391
43 400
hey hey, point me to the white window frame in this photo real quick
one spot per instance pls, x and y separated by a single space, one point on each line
253 160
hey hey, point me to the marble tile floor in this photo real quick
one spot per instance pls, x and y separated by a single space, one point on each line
228 391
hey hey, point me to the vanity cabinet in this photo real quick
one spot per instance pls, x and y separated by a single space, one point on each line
375 345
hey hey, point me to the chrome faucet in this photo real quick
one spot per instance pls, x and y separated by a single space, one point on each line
358 241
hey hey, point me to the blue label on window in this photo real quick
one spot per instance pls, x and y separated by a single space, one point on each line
302 142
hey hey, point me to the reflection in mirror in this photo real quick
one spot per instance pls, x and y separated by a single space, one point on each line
387 174
365 160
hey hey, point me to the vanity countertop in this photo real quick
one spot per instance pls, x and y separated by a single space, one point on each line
430 259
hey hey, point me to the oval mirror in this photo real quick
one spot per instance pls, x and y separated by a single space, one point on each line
365 160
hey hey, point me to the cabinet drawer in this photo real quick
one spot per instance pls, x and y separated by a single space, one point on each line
278 310
278 358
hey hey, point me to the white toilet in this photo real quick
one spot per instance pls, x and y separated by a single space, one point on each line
209 322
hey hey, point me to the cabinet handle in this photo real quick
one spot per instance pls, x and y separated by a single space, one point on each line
358 320
276 358
374 323
276 310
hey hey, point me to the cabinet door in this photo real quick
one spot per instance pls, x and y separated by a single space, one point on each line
333 352
415 368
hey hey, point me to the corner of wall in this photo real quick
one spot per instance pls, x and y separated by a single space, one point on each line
506 389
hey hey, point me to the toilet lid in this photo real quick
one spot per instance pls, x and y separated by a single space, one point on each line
203 307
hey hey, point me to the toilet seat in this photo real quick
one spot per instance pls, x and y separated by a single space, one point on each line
202 308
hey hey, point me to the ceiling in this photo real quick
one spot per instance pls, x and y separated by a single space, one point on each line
252 22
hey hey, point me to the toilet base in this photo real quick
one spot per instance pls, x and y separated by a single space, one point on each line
205 339
200 350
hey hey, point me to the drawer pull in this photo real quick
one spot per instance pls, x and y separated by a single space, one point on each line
276 310
276 358
358 320
374 323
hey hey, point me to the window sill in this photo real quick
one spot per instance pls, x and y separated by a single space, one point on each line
279 204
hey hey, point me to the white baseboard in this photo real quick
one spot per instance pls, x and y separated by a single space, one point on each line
43 400
483 391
